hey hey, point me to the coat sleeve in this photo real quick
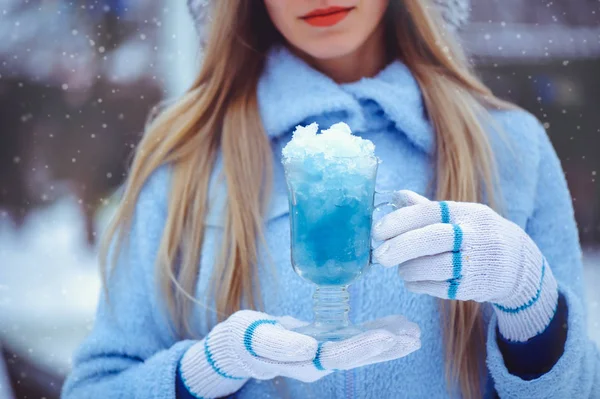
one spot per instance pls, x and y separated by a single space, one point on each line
130 352
552 226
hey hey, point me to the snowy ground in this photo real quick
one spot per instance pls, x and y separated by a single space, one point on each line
49 286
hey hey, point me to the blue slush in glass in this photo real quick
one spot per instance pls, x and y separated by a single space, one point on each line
331 187
331 215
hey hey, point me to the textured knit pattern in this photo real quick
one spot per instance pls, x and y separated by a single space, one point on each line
131 352
466 251
255 345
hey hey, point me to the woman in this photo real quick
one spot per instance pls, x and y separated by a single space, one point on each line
204 232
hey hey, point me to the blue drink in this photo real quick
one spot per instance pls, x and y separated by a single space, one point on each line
331 212
331 187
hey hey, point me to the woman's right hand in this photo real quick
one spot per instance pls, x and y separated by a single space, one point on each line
252 344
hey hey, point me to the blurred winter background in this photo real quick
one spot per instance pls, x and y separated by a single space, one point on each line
78 78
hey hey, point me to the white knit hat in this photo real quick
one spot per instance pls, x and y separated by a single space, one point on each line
455 12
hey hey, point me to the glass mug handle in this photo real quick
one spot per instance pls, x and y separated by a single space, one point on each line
379 211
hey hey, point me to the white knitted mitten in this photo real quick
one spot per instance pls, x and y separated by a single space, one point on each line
252 344
466 251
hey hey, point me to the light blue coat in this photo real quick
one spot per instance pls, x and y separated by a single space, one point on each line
131 353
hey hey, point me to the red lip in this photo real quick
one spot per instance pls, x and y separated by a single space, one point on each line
326 16
325 11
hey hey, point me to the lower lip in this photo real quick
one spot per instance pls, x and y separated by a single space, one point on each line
327 20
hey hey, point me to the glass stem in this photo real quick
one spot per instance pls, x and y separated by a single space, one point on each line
331 306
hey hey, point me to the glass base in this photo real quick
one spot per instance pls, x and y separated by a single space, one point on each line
324 332
331 307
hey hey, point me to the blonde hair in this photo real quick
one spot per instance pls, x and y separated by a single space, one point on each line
220 113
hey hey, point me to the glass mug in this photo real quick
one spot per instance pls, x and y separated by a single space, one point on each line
331 215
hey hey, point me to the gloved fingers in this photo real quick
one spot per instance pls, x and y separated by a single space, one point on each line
268 339
387 338
346 354
404 198
290 322
440 267
396 324
310 372
407 219
328 361
438 289
405 345
429 240
408 337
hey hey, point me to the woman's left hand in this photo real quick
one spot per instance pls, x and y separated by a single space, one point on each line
466 251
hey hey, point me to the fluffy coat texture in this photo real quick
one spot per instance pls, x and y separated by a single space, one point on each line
132 353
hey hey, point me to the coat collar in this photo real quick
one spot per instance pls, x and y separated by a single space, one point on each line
290 92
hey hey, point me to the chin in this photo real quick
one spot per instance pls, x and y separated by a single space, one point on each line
324 49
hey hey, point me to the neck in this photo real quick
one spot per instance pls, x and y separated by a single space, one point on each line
366 61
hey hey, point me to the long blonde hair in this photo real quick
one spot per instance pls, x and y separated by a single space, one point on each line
220 113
